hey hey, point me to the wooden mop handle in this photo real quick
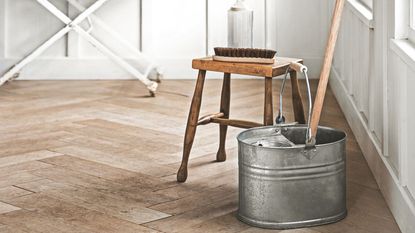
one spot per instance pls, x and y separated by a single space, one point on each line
325 72
300 68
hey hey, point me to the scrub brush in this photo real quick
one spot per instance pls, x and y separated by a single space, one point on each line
245 55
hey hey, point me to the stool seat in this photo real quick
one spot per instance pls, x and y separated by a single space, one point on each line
261 70
266 71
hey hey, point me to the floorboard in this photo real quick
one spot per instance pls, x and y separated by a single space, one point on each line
102 156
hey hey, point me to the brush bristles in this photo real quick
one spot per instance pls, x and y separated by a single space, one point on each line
242 52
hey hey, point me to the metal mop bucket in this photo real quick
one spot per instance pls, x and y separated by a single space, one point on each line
294 176
289 177
290 187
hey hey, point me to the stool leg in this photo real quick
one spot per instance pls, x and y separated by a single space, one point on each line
191 125
297 99
224 108
268 106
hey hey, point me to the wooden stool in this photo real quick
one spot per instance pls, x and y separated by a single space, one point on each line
222 118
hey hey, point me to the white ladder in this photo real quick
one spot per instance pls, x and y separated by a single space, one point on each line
73 25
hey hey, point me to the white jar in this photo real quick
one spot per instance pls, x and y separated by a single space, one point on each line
240 26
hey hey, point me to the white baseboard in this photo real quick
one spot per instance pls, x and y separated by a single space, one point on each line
67 69
397 197
104 69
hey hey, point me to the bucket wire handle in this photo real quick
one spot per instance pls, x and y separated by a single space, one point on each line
300 68
280 118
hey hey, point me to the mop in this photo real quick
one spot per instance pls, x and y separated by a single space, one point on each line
314 114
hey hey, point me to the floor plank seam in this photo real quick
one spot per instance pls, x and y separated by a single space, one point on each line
105 171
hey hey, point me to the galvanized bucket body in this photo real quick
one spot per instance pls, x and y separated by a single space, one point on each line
292 187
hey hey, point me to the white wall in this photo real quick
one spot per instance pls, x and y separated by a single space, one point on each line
170 31
375 88
373 82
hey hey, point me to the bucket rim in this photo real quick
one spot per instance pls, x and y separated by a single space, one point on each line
301 146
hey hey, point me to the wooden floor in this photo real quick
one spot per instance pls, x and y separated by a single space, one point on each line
100 156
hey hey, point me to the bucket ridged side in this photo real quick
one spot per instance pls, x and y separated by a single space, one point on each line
282 188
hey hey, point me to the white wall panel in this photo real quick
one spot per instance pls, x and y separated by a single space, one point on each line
410 134
29 25
375 90
296 35
396 80
302 30
123 17
3 24
174 32
376 94
353 60
354 64
218 22
271 30
363 69
348 55
339 53
171 31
